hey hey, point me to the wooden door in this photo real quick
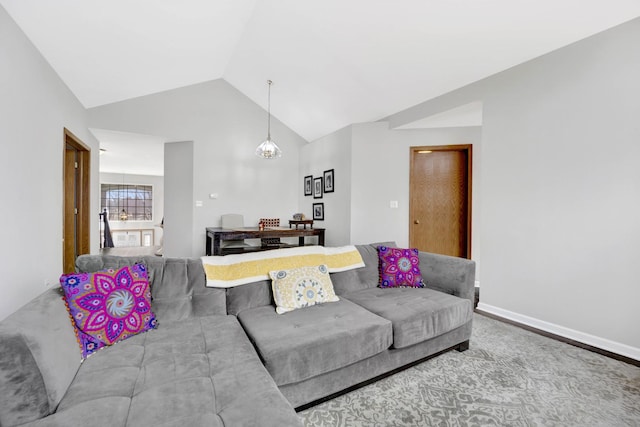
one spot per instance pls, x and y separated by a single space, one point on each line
440 200
76 200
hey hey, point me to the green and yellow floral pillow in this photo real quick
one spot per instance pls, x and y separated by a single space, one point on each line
301 287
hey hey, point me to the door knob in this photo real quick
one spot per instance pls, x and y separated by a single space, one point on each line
417 221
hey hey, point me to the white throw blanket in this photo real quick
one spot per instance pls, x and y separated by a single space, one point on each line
233 270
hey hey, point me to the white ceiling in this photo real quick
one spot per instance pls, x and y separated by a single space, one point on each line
129 153
333 62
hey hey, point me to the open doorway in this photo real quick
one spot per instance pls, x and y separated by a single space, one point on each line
131 196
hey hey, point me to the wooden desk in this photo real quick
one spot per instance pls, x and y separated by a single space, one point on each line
215 235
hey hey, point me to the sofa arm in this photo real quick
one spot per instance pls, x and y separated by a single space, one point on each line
452 275
39 358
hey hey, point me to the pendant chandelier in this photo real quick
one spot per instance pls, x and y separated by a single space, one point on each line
123 213
268 149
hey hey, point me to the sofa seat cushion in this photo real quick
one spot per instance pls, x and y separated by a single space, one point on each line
311 341
198 371
417 314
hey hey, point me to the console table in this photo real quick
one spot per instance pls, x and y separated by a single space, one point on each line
215 235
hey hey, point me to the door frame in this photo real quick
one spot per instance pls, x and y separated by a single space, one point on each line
468 149
82 220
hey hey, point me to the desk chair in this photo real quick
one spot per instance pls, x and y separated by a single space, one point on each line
232 221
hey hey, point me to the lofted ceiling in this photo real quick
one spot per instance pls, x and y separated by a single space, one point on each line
128 153
333 62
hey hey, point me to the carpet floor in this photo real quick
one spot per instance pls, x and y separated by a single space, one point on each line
508 377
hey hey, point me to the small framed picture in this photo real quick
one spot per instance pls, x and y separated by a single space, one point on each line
317 188
328 181
318 211
308 188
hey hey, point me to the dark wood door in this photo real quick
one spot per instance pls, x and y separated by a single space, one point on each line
76 198
440 200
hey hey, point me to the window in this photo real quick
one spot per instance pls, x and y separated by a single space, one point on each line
136 200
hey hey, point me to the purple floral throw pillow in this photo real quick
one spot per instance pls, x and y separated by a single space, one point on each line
108 306
399 267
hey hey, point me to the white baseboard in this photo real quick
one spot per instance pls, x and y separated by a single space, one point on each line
594 341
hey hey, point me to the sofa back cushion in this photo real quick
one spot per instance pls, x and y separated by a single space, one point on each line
39 357
361 278
252 295
178 288
260 293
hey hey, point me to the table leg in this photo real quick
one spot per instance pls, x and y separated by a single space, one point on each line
216 245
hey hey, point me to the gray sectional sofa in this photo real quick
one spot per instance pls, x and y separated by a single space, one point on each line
223 357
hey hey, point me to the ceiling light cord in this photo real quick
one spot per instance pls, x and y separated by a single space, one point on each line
269 82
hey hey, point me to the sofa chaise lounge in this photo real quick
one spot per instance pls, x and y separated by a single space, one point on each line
224 357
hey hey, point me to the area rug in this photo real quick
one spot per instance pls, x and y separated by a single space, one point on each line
508 377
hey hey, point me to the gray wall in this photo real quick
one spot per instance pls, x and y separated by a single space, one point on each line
372 169
380 168
35 107
330 152
179 211
225 127
560 197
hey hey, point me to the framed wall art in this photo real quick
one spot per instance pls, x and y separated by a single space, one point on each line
318 211
328 181
317 188
308 185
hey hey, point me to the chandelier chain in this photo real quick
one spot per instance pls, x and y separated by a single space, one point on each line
269 82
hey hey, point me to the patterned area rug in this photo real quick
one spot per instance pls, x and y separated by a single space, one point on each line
508 377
